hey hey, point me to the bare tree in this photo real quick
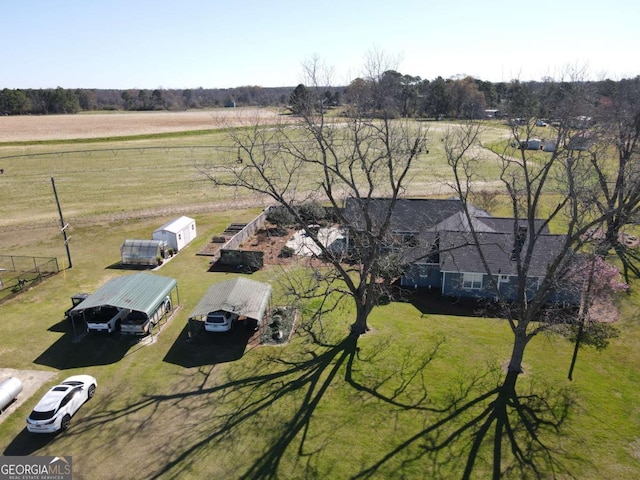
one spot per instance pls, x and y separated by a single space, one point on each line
329 161
617 130
542 188
530 178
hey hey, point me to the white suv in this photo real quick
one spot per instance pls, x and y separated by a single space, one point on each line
220 321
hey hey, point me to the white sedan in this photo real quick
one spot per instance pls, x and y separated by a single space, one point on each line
55 409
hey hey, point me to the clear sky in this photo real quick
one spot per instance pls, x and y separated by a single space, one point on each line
123 44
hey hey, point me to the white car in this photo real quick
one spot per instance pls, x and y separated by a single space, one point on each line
220 321
54 410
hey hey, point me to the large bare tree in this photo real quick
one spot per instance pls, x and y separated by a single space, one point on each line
613 149
329 159
558 187
542 188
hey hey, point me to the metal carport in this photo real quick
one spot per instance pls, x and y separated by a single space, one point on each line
141 291
242 296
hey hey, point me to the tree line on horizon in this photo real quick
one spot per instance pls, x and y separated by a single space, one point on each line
401 95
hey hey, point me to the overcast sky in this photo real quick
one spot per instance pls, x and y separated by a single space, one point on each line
123 44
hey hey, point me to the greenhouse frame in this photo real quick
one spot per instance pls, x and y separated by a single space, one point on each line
142 252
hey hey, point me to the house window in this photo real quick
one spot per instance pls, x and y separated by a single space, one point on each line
472 281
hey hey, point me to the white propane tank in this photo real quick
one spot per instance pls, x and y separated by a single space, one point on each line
9 390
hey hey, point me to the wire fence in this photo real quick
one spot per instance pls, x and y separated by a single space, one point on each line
20 272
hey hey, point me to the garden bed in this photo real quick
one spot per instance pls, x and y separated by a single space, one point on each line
282 324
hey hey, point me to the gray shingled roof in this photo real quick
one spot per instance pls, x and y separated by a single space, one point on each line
240 295
425 217
459 254
141 291
505 225
408 214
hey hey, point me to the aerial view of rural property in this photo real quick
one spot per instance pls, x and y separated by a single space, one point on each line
225 256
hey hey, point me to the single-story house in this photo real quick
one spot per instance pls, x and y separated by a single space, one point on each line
177 233
142 252
434 239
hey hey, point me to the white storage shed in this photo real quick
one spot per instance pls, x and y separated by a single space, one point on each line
177 233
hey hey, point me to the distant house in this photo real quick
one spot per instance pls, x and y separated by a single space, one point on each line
581 142
434 239
177 233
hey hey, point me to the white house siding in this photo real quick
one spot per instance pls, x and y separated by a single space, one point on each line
177 233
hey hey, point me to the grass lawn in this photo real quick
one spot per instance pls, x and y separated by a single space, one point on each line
315 408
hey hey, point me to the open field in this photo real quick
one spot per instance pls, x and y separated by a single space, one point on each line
98 125
316 408
100 181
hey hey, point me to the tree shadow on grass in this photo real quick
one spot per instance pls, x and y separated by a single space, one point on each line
269 415
488 432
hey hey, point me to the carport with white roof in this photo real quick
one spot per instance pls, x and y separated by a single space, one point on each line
244 297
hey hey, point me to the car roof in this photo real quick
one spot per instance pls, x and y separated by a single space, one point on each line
52 398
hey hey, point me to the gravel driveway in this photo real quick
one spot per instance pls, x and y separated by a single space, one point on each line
31 380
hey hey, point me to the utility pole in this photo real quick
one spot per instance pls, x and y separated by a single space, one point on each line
63 225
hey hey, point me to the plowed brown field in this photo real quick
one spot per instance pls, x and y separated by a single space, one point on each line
101 125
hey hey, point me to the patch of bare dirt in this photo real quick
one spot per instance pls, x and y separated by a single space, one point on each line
266 241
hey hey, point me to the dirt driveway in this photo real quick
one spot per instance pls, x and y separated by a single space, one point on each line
31 380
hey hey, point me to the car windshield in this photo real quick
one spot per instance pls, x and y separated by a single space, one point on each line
216 319
73 383
136 317
36 415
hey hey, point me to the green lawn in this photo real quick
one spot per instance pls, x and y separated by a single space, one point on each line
316 408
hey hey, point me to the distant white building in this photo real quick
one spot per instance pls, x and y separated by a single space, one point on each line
177 233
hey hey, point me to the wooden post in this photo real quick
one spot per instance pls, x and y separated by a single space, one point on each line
63 225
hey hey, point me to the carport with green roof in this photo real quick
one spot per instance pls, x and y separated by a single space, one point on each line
143 292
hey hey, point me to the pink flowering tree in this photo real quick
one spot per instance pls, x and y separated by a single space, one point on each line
601 282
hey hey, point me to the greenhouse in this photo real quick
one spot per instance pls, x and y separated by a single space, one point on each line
142 252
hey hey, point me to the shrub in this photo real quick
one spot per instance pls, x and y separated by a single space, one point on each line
286 252
280 216
312 212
